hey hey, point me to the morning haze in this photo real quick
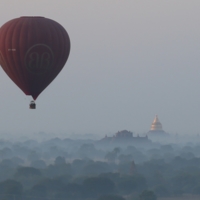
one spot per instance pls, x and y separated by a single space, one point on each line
121 120
129 60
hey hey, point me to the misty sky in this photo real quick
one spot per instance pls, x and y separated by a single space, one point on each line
129 60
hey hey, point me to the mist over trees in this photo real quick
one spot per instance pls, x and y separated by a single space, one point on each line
85 169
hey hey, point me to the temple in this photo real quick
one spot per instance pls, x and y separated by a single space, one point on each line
125 137
156 128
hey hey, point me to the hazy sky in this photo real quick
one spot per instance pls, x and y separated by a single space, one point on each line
129 60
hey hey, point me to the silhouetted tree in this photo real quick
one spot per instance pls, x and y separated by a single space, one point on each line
125 158
111 197
27 172
11 187
38 190
70 191
59 160
87 150
47 187
57 170
6 153
17 160
32 156
161 191
147 195
28 176
96 186
95 168
40 164
129 184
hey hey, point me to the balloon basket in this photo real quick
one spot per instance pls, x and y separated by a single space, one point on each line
32 105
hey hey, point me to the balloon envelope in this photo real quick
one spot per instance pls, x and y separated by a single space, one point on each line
33 50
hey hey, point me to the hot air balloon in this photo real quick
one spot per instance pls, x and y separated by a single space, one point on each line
33 50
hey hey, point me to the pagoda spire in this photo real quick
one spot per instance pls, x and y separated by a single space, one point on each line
156 125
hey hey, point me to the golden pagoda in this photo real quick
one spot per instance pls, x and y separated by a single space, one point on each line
156 128
156 125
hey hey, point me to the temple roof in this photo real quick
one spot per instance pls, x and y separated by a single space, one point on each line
156 125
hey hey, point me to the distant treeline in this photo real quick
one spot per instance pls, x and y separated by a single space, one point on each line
84 170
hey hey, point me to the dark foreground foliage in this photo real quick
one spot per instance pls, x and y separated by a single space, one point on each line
58 169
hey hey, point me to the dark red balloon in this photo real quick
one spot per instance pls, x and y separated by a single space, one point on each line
33 50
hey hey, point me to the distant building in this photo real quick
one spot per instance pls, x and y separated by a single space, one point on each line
156 128
125 137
